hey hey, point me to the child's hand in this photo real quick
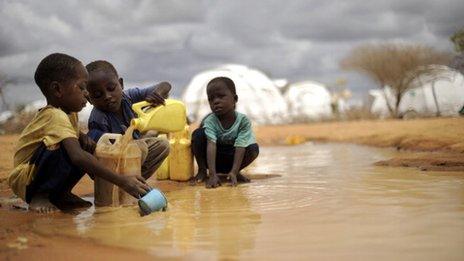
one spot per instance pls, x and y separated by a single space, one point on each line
233 178
160 93
163 89
213 182
135 186
155 99
87 143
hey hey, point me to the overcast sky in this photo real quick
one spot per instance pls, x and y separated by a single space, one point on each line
150 41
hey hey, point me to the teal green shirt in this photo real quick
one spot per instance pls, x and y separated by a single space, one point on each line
239 134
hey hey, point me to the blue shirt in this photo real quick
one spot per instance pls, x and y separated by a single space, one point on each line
240 134
101 122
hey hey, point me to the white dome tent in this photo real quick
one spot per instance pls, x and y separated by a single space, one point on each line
308 100
258 97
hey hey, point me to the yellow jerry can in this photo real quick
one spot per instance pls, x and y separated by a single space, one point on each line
167 118
180 156
163 171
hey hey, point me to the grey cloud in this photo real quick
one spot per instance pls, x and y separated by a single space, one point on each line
336 20
173 40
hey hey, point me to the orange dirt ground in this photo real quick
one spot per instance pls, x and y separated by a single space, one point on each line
438 144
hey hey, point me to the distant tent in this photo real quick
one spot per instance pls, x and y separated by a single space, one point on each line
379 100
440 95
308 101
34 106
84 115
281 84
5 116
258 97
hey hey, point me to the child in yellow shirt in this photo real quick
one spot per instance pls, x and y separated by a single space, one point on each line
52 155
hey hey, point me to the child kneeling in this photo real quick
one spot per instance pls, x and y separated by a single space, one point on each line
52 154
224 144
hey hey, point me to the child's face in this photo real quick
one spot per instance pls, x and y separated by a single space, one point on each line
74 93
221 99
105 90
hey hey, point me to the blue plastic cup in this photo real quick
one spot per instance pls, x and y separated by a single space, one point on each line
153 201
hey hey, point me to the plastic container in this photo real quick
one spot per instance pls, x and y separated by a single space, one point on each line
180 155
163 171
153 201
127 162
167 118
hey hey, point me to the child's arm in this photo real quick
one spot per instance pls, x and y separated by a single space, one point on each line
213 180
244 137
86 142
134 185
238 158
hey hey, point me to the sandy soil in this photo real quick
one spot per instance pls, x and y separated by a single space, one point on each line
438 144
436 134
435 144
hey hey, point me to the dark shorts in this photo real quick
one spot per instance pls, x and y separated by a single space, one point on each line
55 173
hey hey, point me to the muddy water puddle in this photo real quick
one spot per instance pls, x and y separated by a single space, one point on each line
329 202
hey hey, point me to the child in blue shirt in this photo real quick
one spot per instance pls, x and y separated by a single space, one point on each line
112 112
224 144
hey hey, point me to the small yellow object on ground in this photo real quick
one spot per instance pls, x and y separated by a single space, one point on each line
295 140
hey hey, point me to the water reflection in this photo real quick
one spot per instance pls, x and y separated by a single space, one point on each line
218 222
330 202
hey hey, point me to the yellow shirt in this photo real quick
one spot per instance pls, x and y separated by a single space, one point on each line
50 126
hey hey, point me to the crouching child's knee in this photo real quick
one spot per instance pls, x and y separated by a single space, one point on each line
253 151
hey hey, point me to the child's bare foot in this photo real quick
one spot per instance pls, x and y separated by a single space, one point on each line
41 204
242 179
213 182
69 200
200 177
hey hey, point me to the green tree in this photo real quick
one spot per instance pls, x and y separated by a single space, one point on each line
458 40
458 61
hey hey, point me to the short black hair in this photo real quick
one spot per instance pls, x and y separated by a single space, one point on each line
101 65
227 81
58 67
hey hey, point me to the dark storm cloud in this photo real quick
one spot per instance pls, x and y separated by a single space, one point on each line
358 20
173 40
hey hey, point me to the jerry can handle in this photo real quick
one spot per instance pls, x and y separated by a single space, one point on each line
138 107
105 139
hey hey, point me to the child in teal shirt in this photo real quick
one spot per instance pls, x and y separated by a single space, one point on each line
224 143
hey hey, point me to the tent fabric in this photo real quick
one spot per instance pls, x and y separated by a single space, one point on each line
258 97
308 101
378 101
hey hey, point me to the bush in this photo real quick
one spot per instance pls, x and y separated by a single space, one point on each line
17 123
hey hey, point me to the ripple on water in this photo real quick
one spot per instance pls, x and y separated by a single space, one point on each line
330 196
